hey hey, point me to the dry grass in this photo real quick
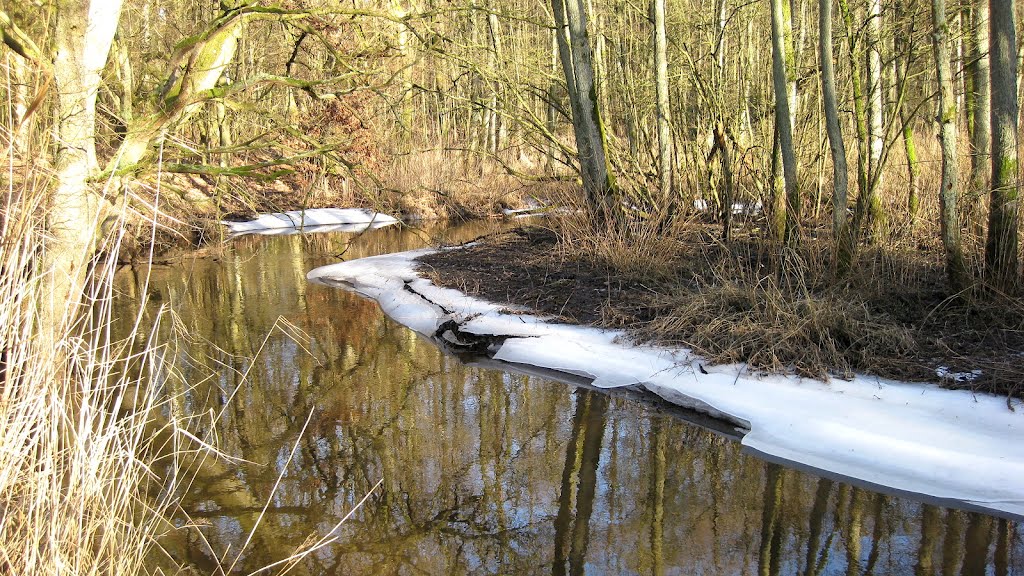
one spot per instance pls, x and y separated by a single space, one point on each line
752 301
96 454
735 304
83 489
781 310
450 185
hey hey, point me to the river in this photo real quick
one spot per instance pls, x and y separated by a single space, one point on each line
483 471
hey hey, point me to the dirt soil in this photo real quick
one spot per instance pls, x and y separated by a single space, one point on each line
907 329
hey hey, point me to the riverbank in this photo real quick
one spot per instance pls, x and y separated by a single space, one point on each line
727 304
189 208
917 438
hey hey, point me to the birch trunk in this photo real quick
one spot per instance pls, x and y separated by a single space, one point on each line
498 128
949 220
875 111
1001 260
84 33
663 112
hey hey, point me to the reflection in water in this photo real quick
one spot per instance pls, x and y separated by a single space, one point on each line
484 471
579 482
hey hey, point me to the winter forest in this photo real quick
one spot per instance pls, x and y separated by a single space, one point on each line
808 187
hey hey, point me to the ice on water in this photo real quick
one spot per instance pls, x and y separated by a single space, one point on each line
917 438
320 219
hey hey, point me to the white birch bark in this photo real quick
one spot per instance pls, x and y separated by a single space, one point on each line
84 33
874 81
662 109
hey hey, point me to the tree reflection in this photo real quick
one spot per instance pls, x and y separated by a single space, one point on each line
579 483
484 471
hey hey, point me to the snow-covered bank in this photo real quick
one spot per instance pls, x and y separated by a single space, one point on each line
318 219
910 437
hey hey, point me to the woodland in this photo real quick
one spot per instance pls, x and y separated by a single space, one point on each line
802 185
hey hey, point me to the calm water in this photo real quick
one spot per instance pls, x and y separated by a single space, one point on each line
484 471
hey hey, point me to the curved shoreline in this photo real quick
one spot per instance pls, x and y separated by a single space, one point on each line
912 438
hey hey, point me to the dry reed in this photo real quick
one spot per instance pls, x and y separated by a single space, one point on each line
82 487
96 455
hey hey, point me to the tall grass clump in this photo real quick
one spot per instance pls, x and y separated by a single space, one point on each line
84 488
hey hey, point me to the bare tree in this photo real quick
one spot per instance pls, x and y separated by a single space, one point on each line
904 58
950 222
840 229
783 119
662 108
1001 259
979 97
577 65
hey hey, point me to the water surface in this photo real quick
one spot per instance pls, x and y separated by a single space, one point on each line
484 471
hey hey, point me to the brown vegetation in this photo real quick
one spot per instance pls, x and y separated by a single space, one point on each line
735 302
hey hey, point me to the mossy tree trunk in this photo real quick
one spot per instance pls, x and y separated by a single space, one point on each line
949 219
781 58
577 65
1001 260
980 97
904 59
860 115
196 67
840 228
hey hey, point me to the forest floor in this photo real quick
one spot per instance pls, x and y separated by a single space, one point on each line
729 303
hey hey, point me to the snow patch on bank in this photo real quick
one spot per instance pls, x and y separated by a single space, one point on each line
916 438
314 219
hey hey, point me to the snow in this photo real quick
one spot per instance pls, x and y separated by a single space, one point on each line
314 219
916 438
738 208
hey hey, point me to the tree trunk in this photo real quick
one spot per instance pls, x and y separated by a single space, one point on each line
841 236
203 63
663 112
859 114
949 219
577 65
498 128
724 145
904 48
783 118
980 98
875 110
84 33
552 108
1001 261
